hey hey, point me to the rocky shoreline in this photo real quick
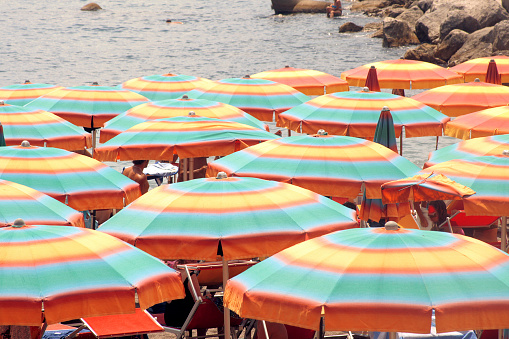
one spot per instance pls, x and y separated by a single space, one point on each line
446 32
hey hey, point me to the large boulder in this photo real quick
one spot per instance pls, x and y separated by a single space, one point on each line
349 27
477 45
311 6
458 19
370 7
501 36
424 5
424 52
398 33
411 15
451 44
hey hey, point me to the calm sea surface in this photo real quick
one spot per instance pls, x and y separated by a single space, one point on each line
54 42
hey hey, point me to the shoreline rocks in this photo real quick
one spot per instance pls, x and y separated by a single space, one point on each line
447 32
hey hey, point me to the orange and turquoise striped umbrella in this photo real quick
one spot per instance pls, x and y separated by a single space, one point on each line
41 128
165 86
22 94
355 113
496 145
477 68
36 208
76 180
261 98
188 137
403 74
88 106
65 273
486 122
244 217
335 166
174 108
488 176
378 279
460 99
307 81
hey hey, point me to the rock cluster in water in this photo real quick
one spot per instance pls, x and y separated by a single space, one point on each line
448 32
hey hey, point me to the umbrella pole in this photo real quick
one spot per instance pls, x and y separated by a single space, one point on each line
503 235
226 310
191 168
94 144
184 170
401 144
436 145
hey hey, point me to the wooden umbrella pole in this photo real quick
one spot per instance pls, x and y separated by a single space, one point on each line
226 309
436 145
184 169
191 168
503 234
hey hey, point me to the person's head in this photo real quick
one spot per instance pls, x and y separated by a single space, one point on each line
140 162
437 211
351 205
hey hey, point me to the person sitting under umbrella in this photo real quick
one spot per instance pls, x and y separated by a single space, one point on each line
437 212
135 172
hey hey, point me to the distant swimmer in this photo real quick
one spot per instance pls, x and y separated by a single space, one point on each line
168 21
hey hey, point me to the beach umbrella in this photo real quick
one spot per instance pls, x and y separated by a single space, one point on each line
240 217
87 106
174 108
41 128
307 81
22 94
235 218
478 67
188 137
424 187
335 166
65 273
492 75
374 209
486 122
403 74
372 80
459 99
76 180
356 113
261 98
34 207
164 86
496 145
378 279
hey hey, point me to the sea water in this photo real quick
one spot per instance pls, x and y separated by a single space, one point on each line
55 42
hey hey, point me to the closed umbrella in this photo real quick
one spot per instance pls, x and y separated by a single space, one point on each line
372 80
492 75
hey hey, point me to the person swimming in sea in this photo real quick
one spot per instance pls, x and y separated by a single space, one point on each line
169 21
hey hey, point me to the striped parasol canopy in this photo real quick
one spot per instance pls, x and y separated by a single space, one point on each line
261 98
34 207
486 122
460 99
424 187
496 145
188 137
335 166
87 106
488 176
477 68
41 128
403 74
165 86
76 180
355 113
174 108
65 273
378 279
22 94
307 81
239 218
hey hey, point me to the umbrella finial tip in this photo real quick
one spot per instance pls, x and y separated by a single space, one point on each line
505 152
25 143
185 97
391 226
27 82
287 66
95 83
477 80
247 76
18 223
321 132
385 108
221 175
191 114
365 89
372 66
2 102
